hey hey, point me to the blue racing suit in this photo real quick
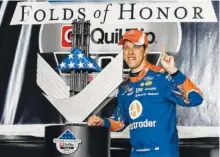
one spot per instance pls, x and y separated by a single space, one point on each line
147 105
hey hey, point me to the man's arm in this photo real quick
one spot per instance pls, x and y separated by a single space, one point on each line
116 123
182 91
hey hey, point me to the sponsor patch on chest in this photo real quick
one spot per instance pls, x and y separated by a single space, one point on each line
142 124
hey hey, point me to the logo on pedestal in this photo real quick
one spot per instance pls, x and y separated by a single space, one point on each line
67 143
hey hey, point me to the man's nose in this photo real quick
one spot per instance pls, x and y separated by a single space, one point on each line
131 51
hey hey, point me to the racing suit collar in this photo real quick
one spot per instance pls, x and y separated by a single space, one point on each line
141 74
134 74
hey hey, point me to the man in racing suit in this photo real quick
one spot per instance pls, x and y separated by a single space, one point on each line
147 100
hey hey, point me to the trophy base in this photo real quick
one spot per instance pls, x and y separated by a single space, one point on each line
77 140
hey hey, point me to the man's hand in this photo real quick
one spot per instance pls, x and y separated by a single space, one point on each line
168 62
95 121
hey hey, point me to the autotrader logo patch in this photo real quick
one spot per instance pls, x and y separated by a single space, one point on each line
135 109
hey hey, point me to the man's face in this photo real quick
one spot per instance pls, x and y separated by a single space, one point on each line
134 55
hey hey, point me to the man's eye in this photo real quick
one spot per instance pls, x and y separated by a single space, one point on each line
136 46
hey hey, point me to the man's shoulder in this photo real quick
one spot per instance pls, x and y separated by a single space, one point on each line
124 82
124 85
160 72
156 68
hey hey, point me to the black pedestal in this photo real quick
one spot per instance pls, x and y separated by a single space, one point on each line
77 140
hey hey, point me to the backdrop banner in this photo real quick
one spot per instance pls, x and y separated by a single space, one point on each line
36 36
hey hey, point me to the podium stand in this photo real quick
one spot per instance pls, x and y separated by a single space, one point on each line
77 140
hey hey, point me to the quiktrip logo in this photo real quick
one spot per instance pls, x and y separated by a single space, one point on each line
100 36
67 143
104 38
66 36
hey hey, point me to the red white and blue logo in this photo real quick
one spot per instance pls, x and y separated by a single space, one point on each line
67 143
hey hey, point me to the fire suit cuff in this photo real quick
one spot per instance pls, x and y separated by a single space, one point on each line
107 123
179 78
